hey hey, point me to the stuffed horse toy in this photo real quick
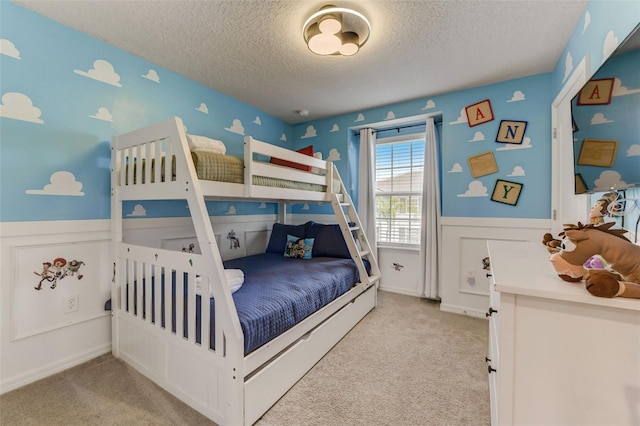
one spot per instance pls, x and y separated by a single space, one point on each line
580 243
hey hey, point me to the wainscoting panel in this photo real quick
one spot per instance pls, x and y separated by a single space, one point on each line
54 280
464 285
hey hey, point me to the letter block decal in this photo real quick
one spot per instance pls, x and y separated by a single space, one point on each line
511 131
479 113
507 192
596 92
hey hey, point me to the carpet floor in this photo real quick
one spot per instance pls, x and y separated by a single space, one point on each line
406 363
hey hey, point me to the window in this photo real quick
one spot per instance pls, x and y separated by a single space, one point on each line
399 171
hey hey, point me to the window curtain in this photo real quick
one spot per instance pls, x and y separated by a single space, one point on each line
367 188
430 239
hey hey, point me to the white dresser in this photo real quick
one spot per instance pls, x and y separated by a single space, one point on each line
561 356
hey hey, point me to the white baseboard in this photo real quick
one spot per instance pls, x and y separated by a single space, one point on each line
53 368
398 291
463 310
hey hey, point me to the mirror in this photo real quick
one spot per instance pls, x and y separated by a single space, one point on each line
606 123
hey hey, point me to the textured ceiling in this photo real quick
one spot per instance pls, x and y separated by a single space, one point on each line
253 51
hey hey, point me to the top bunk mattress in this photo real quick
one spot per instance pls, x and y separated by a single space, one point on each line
227 168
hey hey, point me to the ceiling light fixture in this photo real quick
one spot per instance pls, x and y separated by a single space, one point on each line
336 31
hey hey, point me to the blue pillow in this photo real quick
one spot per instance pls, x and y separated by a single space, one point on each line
278 239
299 248
329 241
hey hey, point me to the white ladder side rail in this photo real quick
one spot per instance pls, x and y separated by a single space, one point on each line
364 249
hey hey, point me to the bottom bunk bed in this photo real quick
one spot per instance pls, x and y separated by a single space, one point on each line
291 311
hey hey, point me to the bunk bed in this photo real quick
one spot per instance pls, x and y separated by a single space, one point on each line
159 297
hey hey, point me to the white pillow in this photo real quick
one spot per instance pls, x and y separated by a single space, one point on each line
203 143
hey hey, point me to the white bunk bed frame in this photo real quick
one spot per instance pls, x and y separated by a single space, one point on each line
221 383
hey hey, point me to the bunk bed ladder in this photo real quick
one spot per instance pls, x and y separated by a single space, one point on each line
353 234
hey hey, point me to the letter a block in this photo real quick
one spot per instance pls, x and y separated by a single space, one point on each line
479 113
596 92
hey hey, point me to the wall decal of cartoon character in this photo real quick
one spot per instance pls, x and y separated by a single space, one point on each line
57 270
234 242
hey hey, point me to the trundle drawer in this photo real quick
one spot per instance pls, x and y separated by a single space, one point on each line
268 385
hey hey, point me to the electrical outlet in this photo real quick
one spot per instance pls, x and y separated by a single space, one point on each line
70 303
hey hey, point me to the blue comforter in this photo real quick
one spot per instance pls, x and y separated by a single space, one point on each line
279 292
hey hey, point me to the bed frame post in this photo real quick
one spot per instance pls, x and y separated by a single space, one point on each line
116 239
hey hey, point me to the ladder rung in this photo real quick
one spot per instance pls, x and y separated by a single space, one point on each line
345 204
354 228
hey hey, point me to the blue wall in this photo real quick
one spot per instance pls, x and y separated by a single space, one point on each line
65 94
526 99
57 122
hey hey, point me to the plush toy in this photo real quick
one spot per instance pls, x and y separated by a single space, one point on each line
602 257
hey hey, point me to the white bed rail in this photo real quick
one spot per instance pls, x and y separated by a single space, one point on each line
143 170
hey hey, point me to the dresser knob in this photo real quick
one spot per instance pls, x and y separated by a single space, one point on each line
486 359
491 311
489 275
491 370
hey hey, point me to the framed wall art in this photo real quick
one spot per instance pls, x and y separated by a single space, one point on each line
511 131
581 185
479 113
507 192
598 152
596 92
482 164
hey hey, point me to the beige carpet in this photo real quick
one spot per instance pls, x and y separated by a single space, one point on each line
406 363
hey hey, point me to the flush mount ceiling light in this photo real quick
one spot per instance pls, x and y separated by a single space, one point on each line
336 31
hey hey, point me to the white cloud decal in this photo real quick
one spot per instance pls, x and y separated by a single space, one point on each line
102 71
62 183
610 44
283 137
305 207
587 21
634 150
103 114
310 133
462 118
517 96
9 49
138 210
390 115
334 128
456 168
620 90
429 105
360 117
475 189
152 75
517 171
232 210
526 143
568 65
477 137
236 127
609 179
203 108
599 118
19 107
257 121
262 205
334 155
